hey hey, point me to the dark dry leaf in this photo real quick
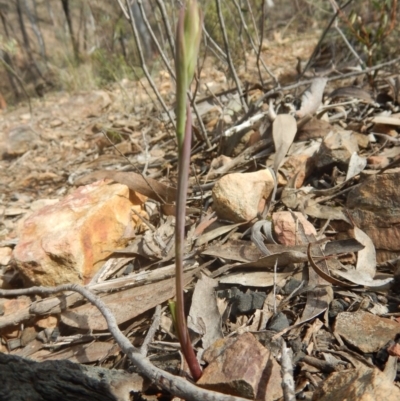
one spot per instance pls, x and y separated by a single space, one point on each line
352 92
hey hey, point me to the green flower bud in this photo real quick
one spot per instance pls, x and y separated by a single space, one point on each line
188 36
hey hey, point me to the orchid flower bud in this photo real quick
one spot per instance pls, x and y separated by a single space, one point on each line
188 35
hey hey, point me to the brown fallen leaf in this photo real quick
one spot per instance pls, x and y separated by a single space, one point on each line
247 252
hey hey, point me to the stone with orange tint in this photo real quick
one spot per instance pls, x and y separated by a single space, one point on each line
69 241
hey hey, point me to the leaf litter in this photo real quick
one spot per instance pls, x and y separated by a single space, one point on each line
239 277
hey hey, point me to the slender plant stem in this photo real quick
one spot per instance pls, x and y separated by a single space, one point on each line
183 174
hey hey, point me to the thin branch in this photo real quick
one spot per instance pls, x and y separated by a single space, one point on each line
350 47
143 63
214 43
200 120
317 47
228 55
330 79
261 39
156 42
253 45
152 331
122 7
287 374
176 385
253 20
164 16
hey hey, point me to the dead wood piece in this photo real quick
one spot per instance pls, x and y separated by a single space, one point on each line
23 379
324 366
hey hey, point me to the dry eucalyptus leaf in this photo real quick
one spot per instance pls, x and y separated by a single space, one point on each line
312 98
366 261
254 279
321 293
326 212
356 165
366 264
323 274
284 130
360 278
245 251
204 317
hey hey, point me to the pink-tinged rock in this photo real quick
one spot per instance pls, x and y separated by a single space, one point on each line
360 384
242 367
286 230
20 139
68 242
378 162
5 255
302 165
336 149
374 206
238 197
365 331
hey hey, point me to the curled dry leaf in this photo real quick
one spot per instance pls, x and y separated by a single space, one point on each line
324 275
366 264
257 237
312 98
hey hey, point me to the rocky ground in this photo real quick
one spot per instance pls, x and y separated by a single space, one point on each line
292 231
